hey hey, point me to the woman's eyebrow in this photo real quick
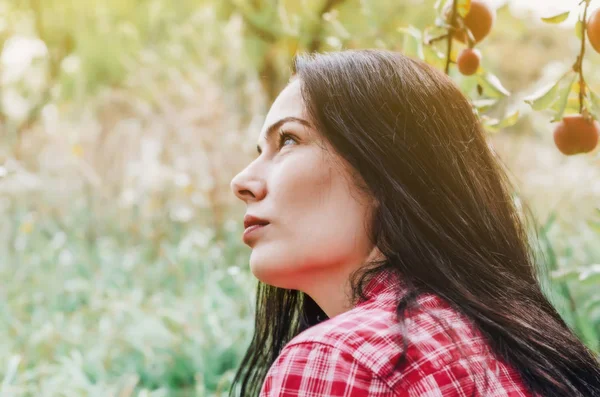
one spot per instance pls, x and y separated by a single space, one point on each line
273 127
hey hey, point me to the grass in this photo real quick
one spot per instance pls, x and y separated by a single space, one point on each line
120 315
121 305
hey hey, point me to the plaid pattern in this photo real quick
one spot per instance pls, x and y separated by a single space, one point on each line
352 354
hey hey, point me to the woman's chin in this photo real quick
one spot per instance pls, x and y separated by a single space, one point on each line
268 273
262 271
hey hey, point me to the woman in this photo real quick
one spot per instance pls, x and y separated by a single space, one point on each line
391 257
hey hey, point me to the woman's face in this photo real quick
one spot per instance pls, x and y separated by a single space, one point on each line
317 231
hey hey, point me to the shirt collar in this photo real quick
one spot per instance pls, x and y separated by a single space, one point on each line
382 282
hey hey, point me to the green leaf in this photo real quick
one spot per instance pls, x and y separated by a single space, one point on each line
410 30
439 4
586 331
590 275
549 222
568 274
492 87
594 226
561 104
468 84
339 29
573 105
544 97
495 125
578 27
490 123
591 303
413 41
434 57
595 102
557 18
509 120
433 31
463 7
483 105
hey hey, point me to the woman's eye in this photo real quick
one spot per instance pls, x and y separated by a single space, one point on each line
284 137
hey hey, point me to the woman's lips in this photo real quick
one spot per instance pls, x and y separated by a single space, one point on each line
251 231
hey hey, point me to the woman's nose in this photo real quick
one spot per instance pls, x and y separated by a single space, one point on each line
247 187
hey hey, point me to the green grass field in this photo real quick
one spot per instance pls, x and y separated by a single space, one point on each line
125 306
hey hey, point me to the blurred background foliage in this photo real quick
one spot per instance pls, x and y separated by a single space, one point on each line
122 122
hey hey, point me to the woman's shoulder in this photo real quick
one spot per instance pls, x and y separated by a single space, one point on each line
371 332
438 340
367 323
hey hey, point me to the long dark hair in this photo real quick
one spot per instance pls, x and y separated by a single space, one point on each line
447 220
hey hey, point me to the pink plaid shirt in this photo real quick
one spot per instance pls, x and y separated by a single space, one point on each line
352 355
